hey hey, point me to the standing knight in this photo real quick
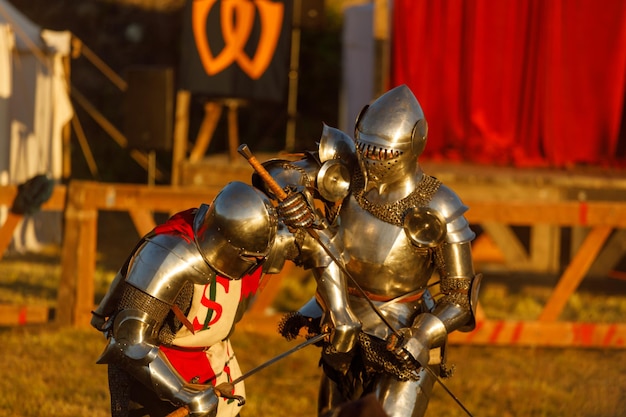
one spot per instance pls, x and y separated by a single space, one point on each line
395 230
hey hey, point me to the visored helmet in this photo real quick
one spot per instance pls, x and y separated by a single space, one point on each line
236 232
391 134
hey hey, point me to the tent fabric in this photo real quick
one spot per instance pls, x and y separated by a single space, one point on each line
521 82
357 62
34 108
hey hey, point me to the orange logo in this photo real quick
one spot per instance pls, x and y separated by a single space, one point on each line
236 21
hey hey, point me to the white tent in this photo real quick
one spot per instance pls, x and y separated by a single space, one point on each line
34 108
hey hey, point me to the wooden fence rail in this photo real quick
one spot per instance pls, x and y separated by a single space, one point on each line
82 200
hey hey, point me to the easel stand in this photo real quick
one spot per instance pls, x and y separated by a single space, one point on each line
212 112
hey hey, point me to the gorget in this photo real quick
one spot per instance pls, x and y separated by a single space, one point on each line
393 213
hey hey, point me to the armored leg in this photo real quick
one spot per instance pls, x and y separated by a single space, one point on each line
405 398
330 396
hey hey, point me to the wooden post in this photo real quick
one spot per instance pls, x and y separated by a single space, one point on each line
212 114
233 129
78 260
545 248
66 132
181 130
382 46
294 69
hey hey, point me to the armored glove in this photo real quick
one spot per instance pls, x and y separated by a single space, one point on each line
200 400
414 343
295 210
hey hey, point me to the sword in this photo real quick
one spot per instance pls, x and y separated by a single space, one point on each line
224 389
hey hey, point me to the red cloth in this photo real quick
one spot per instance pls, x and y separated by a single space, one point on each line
250 283
190 364
180 224
520 82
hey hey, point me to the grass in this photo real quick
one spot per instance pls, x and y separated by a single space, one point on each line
51 371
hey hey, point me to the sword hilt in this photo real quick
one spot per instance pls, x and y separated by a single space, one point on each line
260 169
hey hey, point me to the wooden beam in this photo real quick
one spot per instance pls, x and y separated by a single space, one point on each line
7 196
559 213
512 249
85 199
75 298
143 220
575 272
7 229
84 146
56 202
212 114
233 128
79 48
158 198
140 157
610 256
485 250
546 334
545 249
181 132
12 315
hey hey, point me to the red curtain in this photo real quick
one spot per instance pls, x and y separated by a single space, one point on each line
517 82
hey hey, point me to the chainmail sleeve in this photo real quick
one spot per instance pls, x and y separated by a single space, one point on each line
168 323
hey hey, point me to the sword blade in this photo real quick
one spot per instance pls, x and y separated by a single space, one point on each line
445 387
275 359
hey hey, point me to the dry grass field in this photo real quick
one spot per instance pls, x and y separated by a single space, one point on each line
51 371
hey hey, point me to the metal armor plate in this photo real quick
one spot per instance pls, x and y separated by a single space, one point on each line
381 255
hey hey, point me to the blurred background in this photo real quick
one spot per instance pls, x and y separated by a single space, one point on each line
132 108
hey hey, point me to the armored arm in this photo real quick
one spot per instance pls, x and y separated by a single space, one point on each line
134 346
459 285
158 276
304 250
314 245
338 317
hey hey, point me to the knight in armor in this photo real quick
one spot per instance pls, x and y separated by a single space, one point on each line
403 277
170 310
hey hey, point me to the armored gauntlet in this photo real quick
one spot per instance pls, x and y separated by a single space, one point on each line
415 342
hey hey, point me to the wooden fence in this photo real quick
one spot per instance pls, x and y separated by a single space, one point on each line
81 202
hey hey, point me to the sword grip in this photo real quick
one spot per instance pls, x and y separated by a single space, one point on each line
260 169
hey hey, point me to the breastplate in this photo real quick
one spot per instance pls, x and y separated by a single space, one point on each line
379 255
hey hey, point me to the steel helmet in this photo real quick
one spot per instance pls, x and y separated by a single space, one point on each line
391 134
236 232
